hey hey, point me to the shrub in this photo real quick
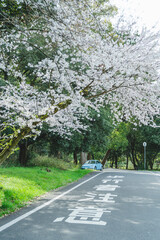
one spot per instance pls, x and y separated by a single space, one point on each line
45 161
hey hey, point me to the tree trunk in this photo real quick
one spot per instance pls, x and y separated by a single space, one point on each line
83 157
89 156
75 157
133 160
116 161
23 153
127 162
105 157
151 165
111 165
7 151
151 161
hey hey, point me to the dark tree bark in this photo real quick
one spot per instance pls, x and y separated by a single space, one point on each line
116 161
111 165
23 153
151 165
75 157
133 159
105 157
89 156
127 161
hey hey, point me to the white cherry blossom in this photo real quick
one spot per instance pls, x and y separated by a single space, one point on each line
83 66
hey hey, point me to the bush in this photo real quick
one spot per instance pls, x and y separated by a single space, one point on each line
45 161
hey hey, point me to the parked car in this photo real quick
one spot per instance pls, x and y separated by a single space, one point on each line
92 164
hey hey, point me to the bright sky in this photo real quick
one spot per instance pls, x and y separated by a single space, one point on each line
148 11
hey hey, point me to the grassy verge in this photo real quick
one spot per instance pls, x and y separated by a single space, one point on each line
18 186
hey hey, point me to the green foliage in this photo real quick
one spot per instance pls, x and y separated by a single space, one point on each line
1 195
152 137
118 138
5 133
21 185
11 9
105 9
126 141
94 139
45 161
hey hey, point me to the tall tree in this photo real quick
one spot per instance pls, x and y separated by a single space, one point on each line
136 137
80 66
118 143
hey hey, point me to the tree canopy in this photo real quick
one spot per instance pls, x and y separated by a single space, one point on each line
60 58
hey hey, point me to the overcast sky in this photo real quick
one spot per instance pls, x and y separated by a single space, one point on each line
148 11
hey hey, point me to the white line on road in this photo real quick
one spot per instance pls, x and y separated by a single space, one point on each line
9 224
59 219
110 170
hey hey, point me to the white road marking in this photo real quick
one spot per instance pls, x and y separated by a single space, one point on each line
87 215
9 224
59 219
145 173
112 180
106 187
105 198
131 171
115 176
92 215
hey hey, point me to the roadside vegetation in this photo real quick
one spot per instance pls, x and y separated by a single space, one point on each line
37 167
19 186
121 146
68 96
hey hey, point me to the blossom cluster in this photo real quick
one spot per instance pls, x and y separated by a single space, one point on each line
66 60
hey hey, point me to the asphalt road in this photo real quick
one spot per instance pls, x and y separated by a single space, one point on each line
112 205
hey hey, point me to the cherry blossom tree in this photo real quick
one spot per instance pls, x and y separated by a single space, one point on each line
74 62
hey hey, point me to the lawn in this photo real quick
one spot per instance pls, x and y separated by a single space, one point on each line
18 186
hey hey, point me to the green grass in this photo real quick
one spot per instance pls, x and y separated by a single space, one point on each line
18 186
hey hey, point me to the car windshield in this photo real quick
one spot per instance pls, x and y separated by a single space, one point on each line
92 162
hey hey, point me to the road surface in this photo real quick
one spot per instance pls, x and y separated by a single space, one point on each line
108 205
